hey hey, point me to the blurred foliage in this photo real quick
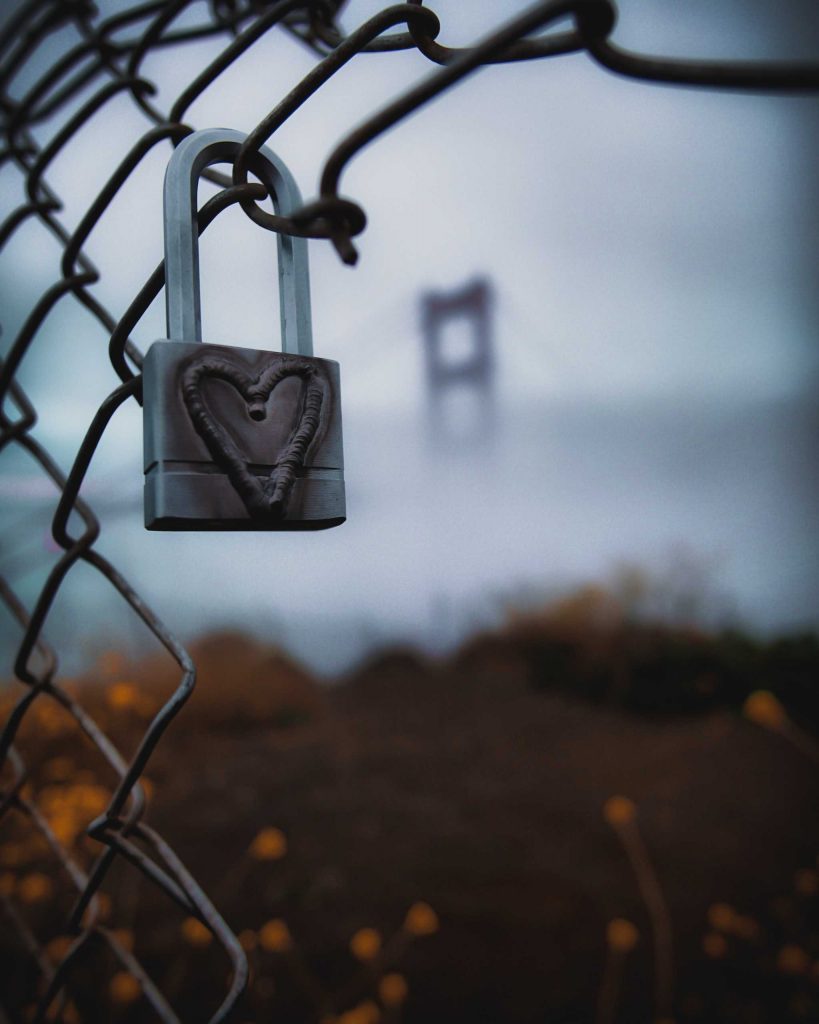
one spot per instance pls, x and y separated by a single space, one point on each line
588 645
321 820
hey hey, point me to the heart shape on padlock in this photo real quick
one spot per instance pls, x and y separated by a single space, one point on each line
263 497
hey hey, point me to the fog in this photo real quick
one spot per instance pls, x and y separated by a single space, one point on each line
652 254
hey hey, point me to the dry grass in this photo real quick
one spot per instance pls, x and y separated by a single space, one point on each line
317 817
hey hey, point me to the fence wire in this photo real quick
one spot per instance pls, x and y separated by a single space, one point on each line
107 58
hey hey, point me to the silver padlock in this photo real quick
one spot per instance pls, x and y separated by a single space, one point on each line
237 438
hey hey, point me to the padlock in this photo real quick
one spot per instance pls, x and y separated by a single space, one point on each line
236 438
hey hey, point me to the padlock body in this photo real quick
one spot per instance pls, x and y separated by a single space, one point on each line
226 429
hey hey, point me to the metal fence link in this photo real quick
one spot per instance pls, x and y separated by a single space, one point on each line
109 56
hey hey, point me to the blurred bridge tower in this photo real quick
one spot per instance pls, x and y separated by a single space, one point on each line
460 365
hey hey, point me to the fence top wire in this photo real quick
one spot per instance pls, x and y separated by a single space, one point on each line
106 61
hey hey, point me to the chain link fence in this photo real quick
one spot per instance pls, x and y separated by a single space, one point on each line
104 62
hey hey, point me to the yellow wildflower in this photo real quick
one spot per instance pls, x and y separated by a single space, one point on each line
365 944
122 696
722 917
124 988
52 719
54 798
65 826
91 800
269 844
35 887
421 919
275 936
619 810
392 989
765 709
621 935
196 933
125 937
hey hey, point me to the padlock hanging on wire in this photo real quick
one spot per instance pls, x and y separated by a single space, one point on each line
237 438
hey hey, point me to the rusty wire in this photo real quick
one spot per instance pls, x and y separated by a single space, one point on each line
109 54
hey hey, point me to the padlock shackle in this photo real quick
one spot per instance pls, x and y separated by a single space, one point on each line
182 302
